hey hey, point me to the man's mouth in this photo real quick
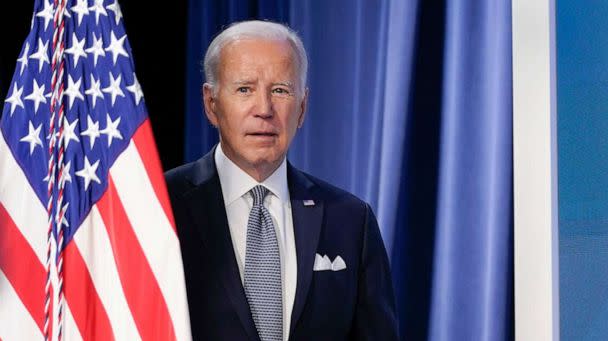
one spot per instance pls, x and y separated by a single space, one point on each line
262 134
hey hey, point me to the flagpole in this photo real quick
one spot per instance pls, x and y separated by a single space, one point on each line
57 87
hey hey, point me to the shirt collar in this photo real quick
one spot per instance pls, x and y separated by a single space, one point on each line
236 183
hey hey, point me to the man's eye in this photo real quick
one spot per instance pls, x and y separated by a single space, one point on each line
280 91
243 89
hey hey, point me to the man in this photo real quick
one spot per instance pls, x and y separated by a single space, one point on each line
272 253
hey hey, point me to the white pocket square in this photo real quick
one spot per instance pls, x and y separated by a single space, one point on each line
324 264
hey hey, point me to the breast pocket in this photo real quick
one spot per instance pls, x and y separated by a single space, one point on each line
331 301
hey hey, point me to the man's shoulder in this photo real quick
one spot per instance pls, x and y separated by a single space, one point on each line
178 178
180 173
333 194
344 212
182 178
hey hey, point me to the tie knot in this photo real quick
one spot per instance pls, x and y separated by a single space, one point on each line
259 192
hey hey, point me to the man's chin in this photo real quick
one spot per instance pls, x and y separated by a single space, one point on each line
265 157
263 162
261 166
263 152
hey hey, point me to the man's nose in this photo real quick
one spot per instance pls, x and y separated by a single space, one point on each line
264 107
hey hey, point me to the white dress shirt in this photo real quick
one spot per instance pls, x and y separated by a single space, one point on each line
236 185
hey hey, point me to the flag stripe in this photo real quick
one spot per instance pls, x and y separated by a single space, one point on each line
141 289
27 276
155 234
88 312
53 330
144 142
21 202
94 245
30 218
12 310
70 330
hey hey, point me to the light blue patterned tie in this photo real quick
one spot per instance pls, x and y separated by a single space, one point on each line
263 270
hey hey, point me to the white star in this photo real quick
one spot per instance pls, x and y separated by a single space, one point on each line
99 9
64 220
114 88
47 13
52 135
48 95
77 49
94 91
33 137
37 96
96 48
112 129
15 98
135 88
116 47
46 178
116 9
81 9
68 132
41 54
24 58
73 90
65 176
92 131
87 173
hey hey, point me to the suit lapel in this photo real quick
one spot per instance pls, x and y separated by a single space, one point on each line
307 222
206 206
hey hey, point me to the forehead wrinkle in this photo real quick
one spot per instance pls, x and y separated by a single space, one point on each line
239 67
244 81
245 72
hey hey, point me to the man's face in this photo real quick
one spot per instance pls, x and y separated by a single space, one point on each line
257 106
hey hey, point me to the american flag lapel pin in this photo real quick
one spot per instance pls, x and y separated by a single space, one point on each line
309 202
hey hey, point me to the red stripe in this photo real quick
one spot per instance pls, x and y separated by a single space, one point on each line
144 142
80 294
144 297
22 267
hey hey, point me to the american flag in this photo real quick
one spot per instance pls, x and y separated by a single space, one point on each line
92 181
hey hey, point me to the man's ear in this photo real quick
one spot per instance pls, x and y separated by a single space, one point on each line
210 103
303 106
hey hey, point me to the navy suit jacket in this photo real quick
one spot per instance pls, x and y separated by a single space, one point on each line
352 304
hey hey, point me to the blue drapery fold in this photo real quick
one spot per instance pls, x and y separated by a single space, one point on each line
410 109
472 258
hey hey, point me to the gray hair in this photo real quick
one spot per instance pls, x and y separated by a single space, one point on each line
250 30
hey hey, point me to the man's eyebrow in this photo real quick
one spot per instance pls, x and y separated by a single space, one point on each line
243 82
251 81
287 84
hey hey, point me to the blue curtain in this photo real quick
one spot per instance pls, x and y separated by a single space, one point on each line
411 109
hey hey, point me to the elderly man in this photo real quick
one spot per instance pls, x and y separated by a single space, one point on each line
269 252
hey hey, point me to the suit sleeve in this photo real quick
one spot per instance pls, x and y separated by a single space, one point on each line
375 315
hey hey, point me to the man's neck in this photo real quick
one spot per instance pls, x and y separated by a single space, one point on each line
259 172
